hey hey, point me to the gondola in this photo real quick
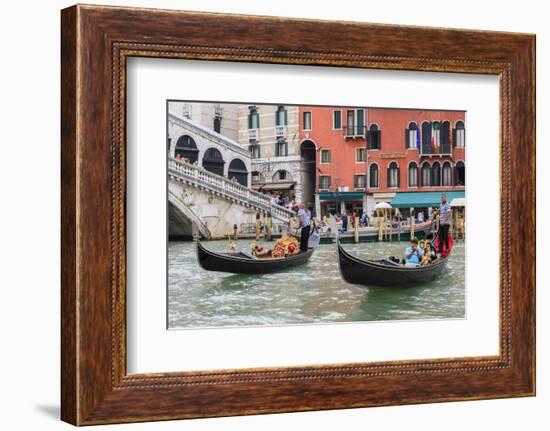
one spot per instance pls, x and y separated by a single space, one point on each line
244 263
385 272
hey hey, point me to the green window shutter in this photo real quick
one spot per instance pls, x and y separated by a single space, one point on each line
360 121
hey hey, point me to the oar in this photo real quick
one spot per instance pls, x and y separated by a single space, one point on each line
431 229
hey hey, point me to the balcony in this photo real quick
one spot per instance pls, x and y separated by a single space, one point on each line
354 132
253 135
443 150
280 132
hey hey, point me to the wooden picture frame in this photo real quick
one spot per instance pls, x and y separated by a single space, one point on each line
95 43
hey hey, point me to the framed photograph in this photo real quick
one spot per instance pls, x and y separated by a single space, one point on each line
261 217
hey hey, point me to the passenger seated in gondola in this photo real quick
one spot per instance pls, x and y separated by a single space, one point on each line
428 254
413 254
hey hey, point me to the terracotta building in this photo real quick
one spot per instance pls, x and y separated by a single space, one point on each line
368 155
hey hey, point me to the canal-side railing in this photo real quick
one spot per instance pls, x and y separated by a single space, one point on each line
199 177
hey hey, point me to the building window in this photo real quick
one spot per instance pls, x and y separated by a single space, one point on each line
359 155
413 175
426 137
255 151
217 125
373 176
393 175
436 135
460 177
426 175
281 148
324 182
355 122
336 120
281 118
374 137
253 119
307 120
436 174
325 156
282 175
447 175
359 181
186 110
412 138
459 135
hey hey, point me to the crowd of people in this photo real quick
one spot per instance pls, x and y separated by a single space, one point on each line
286 201
348 220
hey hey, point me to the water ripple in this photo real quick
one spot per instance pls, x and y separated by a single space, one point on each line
313 293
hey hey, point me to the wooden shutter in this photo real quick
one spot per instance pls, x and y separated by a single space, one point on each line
426 137
368 138
445 137
455 169
407 138
388 177
398 175
360 121
379 133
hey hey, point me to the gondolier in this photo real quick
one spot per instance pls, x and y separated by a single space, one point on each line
304 220
444 223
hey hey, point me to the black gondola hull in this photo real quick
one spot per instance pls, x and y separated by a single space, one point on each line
378 273
237 263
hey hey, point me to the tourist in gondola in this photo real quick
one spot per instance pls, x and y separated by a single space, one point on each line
413 254
444 223
304 220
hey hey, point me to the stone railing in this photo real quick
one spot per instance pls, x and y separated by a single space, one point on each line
208 134
280 131
253 135
232 190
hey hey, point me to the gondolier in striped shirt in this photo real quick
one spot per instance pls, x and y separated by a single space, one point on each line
444 223
304 218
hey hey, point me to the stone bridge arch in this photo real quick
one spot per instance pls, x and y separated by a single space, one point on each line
181 219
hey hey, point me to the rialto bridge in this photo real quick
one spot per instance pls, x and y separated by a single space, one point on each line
209 179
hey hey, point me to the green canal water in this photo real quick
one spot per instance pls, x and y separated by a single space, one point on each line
312 293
